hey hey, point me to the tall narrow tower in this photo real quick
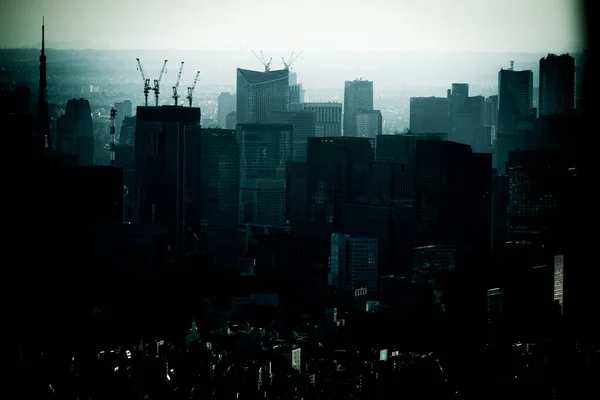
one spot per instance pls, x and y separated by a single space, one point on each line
42 138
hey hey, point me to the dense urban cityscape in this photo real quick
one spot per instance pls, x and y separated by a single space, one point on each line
266 240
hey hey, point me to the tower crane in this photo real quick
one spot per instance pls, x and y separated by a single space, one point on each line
262 59
175 95
190 89
156 87
288 64
146 82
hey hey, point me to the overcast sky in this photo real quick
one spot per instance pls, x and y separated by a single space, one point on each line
309 25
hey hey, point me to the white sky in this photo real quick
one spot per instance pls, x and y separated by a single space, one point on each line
309 25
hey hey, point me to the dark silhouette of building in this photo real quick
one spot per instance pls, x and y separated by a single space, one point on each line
160 158
515 99
75 132
557 84
218 195
43 137
429 115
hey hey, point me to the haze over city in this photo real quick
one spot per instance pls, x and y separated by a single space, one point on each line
301 200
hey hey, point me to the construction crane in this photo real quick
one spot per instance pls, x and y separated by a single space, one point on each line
190 89
146 82
288 64
156 87
262 59
175 95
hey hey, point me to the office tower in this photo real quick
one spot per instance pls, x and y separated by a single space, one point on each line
160 158
557 84
379 204
296 94
124 110
401 148
369 123
261 92
225 105
327 160
429 115
491 111
264 151
453 188
231 121
538 196
295 189
43 137
358 95
353 263
262 202
304 123
76 133
466 114
127 132
218 196
515 99
329 118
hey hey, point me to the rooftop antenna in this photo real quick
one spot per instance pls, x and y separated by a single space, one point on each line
262 59
288 64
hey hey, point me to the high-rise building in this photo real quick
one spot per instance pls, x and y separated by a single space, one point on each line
557 84
218 195
296 94
231 121
353 263
304 123
515 99
453 188
225 105
429 115
261 92
327 159
491 111
369 123
76 132
264 151
124 110
358 95
161 179
329 118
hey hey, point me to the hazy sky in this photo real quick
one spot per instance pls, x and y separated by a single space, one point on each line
428 25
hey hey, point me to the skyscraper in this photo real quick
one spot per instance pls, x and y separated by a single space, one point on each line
160 176
226 105
76 132
369 123
329 118
358 94
515 99
261 92
557 84
429 115
264 151
353 263
124 110
304 123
